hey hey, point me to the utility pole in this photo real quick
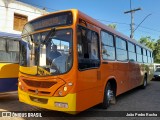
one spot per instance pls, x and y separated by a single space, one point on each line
132 18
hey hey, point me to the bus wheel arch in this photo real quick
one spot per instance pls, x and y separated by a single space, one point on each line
110 90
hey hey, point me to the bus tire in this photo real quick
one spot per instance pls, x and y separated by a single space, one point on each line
108 96
144 85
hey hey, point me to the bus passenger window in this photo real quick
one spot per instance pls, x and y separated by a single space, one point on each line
9 50
108 49
88 49
121 49
139 53
2 44
131 52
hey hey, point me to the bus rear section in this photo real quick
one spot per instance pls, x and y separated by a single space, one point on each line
9 61
8 77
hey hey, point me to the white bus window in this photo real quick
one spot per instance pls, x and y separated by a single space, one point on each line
13 45
2 44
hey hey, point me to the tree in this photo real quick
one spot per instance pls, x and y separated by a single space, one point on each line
147 41
154 45
113 26
156 52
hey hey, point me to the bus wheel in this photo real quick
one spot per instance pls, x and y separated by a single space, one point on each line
108 96
144 82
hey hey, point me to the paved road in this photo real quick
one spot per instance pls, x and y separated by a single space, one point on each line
135 100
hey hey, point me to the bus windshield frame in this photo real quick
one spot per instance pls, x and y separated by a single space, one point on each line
45 27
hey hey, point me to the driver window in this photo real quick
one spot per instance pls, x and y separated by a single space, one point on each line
88 49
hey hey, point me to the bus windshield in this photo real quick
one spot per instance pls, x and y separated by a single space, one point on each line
50 53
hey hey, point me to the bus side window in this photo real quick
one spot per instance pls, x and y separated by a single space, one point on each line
81 40
94 46
108 47
88 52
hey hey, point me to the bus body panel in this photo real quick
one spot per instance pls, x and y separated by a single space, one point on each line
8 77
88 86
70 99
9 70
8 84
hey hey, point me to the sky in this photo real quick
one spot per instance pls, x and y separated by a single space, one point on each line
112 11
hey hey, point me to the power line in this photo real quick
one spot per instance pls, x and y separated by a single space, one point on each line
43 7
97 19
150 29
129 24
20 9
147 33
112 22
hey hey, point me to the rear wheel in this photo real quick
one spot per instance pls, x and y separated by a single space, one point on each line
144 82
109 96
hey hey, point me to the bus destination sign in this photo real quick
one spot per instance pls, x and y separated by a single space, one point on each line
53 20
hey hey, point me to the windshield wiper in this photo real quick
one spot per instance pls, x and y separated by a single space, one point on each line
49 35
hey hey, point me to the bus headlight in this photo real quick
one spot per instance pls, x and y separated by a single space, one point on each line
60 93
19 83
70 84
61 105
22 88
64 89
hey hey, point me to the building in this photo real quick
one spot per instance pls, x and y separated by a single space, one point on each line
14 14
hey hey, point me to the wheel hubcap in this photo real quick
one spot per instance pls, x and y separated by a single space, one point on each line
145 82
110 95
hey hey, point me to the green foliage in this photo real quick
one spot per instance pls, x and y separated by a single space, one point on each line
113 26
154 45
156 52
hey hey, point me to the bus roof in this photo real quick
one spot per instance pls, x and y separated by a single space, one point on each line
10 35
97 24
105 27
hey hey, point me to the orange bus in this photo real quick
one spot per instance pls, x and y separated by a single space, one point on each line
70 62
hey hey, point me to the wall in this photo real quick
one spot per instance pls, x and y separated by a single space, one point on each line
9 7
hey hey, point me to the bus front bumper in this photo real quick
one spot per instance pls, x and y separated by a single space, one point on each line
65 104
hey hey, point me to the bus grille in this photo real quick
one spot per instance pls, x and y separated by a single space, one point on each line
39 84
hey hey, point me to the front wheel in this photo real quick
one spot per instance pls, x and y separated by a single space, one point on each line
109 96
